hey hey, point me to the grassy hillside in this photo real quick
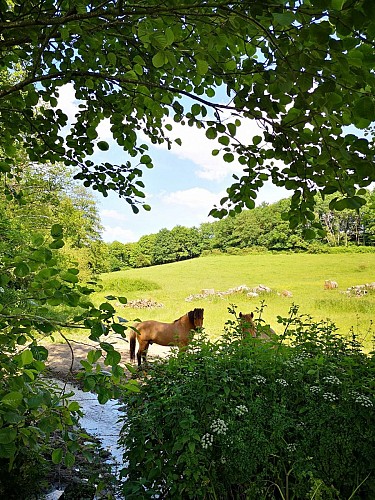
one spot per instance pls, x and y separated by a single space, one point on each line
301 274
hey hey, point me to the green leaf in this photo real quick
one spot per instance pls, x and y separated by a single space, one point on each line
93 356
7 435
12 399
91 133
57 455
21 270
159 59
103 145
364 108
211 133
308 234
58 243
69 459
112 358
57 231
74 406
228 157
145 159
69 277
27 357
285 18
338 4
202 66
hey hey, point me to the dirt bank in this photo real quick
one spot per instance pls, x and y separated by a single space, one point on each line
64 358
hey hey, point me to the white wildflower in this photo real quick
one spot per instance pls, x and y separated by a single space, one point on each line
282 382
291 447
364 400
207 440
331 379
259 379
218 426
241 410
314 389
329 396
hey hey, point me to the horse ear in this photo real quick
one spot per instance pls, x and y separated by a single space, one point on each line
252 315
240 315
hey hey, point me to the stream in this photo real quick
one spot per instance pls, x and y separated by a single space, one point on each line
100 421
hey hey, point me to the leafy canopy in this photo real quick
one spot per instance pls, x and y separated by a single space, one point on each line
302 69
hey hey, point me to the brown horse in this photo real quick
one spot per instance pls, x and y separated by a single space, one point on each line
248 327
166 334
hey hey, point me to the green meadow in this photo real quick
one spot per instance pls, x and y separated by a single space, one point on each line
301 274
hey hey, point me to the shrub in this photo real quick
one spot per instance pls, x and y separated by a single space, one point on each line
244 418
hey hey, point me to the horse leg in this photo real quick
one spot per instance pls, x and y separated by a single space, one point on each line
142 351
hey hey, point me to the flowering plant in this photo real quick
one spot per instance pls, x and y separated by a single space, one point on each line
292 418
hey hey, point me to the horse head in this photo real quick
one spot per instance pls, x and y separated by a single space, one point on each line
247 321
196 317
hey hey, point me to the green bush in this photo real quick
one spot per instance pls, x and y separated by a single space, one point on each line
243 418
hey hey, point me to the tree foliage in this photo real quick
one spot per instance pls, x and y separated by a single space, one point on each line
302 69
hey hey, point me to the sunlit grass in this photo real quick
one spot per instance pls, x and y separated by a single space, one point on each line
301 274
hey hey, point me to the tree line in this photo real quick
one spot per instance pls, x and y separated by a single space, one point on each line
262 228
48 195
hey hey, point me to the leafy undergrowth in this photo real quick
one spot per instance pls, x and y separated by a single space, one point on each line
34 475
292 418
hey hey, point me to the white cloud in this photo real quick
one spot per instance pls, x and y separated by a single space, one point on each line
199 199
67 101
113 214
195 145
197 148
104 130
117 233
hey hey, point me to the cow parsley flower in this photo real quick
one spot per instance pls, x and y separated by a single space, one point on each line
282 382
241 410
364 400
218 426
259 379
291 447
329 396
315 389
207 440
331 379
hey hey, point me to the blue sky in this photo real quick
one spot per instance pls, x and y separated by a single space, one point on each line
185 183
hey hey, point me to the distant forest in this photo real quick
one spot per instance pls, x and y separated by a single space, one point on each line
264 228
47 196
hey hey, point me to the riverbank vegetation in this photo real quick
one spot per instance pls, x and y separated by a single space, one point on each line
290 418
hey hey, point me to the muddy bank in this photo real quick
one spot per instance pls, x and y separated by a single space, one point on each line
65 359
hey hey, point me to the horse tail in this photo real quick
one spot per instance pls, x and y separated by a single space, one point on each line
132 343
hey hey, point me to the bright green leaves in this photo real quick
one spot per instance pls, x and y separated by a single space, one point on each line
159 59
57 456
202 66
12 399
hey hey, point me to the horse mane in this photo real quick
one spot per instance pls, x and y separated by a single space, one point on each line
191 315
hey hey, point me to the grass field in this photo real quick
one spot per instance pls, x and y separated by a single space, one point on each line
301 274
